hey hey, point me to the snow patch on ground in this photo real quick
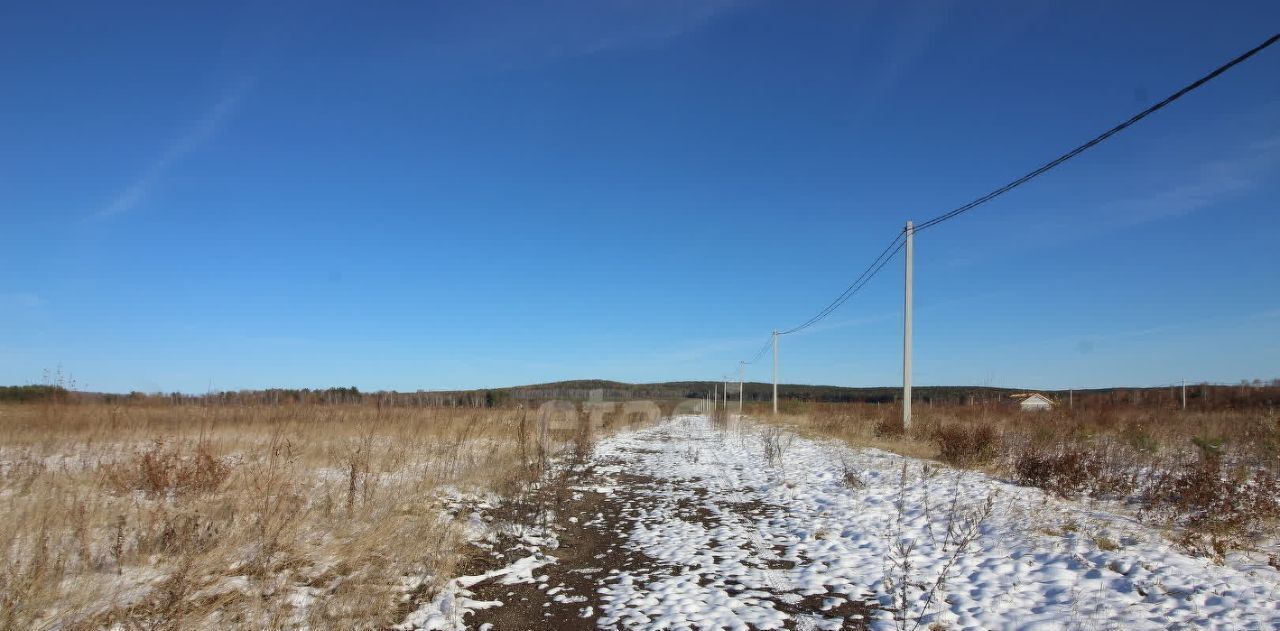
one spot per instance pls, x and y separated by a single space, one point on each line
1023 570
448 610
734 539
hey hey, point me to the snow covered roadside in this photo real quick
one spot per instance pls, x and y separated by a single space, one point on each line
455 601
823 536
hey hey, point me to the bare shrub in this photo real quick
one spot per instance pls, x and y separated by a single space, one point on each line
965 444
912 592
851 476
168 516
1140 438
1111 444
161 470
1218 509
1066 473
720 419
890 427
776 442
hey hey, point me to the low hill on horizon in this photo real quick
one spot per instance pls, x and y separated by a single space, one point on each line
609 390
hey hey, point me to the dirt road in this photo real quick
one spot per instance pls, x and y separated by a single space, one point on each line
690 525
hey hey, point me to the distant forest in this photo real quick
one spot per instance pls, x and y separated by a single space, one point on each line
1245 394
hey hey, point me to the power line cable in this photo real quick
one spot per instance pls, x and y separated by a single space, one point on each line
886 255
898 242
951 214
858 283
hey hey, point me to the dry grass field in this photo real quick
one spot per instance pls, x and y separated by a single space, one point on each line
1211 477
154 515
162 516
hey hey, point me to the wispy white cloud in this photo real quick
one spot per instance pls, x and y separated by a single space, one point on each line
913 34
198 135
1182 193
1212 183
654 21
523 35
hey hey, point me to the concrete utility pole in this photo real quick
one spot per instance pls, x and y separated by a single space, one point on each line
775 373
715 399
1184 394
1071 398
742 392
725 394
906 334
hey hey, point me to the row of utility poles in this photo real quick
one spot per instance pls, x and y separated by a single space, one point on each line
910 230
906 346
908 281
1070 397
721 395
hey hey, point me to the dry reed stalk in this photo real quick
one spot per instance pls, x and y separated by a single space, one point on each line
234 516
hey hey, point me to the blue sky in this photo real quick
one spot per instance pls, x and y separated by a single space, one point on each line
458 194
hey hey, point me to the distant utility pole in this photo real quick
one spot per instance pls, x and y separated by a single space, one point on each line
725 393
1071 396
742 392
906 334
715 398
1184 394
775 373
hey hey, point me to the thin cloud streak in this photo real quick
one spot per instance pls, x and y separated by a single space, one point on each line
1216 181
524 36
200 134
659 21
1206 185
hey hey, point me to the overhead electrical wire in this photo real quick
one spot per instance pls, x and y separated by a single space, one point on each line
897 244
887 255
760 353
951 214
858 283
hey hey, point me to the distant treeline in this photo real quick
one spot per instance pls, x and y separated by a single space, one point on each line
1246 394
33 393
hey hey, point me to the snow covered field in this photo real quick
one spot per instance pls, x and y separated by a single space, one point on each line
745 526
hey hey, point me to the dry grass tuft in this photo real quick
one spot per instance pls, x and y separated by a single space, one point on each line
776 442
965 444
1211 474
178 517
163 470
1217 509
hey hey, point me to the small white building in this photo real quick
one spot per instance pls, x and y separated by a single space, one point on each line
1034 402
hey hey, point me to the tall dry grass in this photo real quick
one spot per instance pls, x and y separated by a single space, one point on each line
1210 475
179 517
